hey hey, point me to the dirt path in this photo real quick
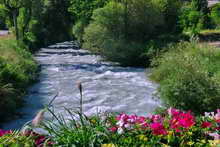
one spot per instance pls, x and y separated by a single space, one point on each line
4 32
215 43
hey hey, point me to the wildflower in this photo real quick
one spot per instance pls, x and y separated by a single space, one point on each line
217 116
190 143
113 129
142 137
40 139
2 132
173 112
190 133
120 123
128 126
215 135
108 145
120 131
184 120
158 129
210 115
38 119
206 125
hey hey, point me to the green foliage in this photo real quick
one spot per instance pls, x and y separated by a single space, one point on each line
190 20
215 15
118 31
171 11
57 21
2 17
189 77
83 132
17 70
82 11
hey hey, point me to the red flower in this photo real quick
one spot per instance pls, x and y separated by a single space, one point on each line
206 124
2 132
113 129
158 129
183 120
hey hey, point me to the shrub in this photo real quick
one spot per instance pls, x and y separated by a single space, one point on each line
188 77
191 20
119 30
17 71
215 15
170 9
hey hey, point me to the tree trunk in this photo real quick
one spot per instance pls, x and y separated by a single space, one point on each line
15 24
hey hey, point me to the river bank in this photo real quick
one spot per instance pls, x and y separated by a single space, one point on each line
17 71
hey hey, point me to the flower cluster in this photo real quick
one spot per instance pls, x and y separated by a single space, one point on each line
171 124
128 122
3 132
28 136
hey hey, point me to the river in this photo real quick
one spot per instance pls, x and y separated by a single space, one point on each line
106 86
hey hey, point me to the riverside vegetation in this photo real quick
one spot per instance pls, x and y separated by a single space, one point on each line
133 33
18 70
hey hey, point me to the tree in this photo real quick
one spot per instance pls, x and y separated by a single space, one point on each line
202 6
82 11
57 21
13 7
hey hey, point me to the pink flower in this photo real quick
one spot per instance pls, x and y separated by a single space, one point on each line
2 132
173 112
113 129
184 120
217 116
215 135
158 129
40 140
206 125
157 118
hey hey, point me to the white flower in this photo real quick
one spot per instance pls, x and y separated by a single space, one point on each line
120 131
120 123
210 114
215 135
128 126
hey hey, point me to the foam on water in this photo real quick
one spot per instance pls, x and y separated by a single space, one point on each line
106 86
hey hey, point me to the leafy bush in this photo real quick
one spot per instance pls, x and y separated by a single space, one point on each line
215 15
191 20
17 71
170 9
119 30
188 75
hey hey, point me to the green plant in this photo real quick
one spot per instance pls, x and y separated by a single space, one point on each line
188 77
17 71
215 15
119 30
190 20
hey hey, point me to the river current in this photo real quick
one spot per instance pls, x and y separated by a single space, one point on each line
107 87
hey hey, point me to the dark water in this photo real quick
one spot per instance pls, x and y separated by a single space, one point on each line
106 87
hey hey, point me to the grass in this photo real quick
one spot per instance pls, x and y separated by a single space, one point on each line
17 71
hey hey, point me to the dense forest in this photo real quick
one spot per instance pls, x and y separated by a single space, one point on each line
169 36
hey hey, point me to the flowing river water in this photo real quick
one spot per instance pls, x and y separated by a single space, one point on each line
106 86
